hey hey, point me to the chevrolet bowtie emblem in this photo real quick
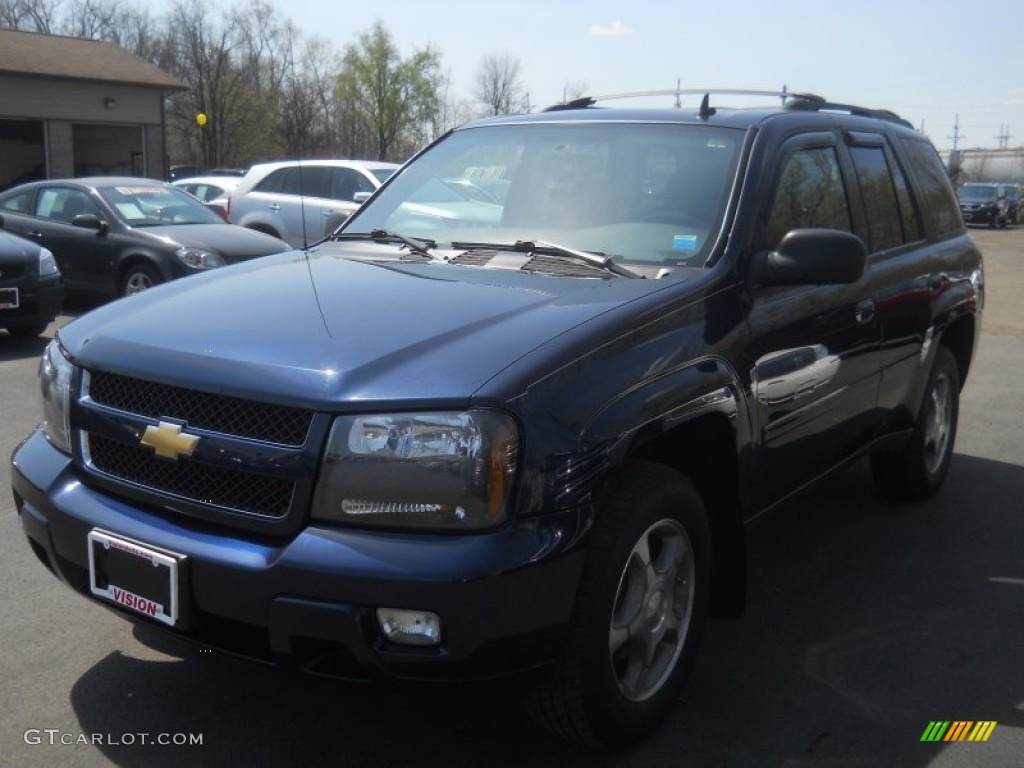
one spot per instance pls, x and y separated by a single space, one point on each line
166 439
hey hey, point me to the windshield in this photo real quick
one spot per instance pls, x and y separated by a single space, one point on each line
644 193
977 192
157 205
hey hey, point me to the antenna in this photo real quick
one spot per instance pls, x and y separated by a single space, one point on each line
302 208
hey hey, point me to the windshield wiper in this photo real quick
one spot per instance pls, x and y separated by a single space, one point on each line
601 260
417 247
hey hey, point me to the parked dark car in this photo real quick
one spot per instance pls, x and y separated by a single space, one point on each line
114 236
518 433
983 203
1013 201
30 286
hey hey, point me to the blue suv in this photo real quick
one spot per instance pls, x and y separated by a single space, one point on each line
512 417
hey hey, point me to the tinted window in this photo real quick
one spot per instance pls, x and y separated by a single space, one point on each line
938 206
809 194
885 229
346 182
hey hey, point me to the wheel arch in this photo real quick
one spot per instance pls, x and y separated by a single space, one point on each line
705 450
136 259
960 337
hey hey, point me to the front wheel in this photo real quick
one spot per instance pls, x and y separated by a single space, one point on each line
918 470
138 278
639 613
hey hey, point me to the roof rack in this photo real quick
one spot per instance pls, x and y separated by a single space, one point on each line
850 109
790 100
589 101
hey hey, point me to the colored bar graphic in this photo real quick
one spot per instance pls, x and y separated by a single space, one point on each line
958 730
982 730
935 731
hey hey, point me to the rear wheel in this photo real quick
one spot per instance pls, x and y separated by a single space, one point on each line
639 613
919 469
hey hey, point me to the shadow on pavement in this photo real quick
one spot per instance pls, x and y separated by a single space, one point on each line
866 620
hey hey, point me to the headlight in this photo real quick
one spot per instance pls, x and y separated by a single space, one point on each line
55 381
47 264
199 259
442 471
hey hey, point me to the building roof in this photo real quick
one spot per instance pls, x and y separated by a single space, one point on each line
71 58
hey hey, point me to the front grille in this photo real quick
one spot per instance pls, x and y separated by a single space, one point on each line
227 488
10 271
202 410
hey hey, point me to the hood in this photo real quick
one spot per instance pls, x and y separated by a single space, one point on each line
232 242
15 250
318 329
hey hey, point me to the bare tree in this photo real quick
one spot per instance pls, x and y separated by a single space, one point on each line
499 87
93 20
30 15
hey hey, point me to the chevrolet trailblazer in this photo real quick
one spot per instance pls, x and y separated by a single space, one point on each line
513 414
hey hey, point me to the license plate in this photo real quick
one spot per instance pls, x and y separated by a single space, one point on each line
134 576
9 298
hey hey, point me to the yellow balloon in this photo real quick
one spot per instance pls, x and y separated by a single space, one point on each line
201 119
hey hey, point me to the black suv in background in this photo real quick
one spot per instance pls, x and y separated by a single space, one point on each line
513 416
1013 194
983 203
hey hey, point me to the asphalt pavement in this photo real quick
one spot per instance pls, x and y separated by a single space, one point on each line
866 622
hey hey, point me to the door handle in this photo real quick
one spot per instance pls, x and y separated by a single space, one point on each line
34 233
865 311
274 207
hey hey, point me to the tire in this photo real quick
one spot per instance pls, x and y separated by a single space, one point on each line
639 613
918 470
138 278
28 331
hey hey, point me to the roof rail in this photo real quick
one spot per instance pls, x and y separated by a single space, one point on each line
589 101
790 100
850 109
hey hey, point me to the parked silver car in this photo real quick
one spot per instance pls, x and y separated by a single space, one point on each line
211 191
301 201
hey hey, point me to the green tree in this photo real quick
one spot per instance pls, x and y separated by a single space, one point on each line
395 99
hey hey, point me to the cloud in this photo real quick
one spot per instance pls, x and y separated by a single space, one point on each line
616 29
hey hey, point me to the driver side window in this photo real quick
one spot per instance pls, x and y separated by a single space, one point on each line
809 195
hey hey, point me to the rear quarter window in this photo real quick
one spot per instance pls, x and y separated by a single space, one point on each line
939 207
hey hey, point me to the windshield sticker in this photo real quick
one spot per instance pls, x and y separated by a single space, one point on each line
130 211
684 243
143 190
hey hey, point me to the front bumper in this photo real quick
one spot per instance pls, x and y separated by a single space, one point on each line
974 214
504 598
39 302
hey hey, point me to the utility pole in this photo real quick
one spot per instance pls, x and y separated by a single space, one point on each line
956 133
1004 136
679 86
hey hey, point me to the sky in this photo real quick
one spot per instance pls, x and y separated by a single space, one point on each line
937 63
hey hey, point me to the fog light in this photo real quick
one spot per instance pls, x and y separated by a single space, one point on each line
410 627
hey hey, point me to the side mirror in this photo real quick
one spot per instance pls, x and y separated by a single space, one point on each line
812 257
361 197
89 221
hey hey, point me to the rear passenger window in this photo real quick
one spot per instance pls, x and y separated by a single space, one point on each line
938 205
892 219
810 195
